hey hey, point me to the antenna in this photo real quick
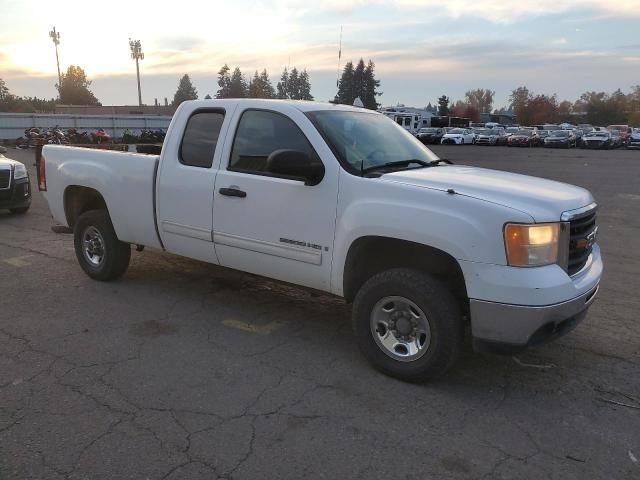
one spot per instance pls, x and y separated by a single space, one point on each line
339 58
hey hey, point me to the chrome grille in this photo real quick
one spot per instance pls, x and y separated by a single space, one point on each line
582 236
5 179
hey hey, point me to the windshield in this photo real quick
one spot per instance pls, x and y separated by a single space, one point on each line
512 129
598 134
559 133
524 133
457 131
363 140
427 130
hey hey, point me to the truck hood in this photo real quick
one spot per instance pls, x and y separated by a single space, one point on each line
7 162
544 200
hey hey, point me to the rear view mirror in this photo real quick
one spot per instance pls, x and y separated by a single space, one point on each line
296 165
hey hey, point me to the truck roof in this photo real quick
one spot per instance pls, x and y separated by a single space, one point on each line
302 105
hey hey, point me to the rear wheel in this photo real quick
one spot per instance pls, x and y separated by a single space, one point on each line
408 325
100 254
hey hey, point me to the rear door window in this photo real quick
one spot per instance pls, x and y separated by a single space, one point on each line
200 138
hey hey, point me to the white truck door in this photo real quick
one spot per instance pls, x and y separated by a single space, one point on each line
269 225
186 178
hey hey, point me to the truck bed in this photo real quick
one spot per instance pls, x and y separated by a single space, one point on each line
125 180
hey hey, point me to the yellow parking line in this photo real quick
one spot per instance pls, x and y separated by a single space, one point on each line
265 329
18 261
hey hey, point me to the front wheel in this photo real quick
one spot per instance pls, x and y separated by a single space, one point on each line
408 325
100 254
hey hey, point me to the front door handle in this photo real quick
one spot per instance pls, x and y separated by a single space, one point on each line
232 192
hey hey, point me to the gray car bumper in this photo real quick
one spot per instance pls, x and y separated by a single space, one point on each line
508 328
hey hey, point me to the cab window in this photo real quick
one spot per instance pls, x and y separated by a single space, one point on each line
260 133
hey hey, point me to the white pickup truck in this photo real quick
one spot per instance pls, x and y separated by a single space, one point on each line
343 200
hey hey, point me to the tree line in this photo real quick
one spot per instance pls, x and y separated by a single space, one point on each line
529 108
358 82
72 90
294 85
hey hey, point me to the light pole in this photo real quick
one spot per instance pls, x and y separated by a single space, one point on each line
136 54
55 36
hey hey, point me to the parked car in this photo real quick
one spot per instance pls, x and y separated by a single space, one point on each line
341 200
560 139
634 139
599 139
616 139
15 187
511 130
624 131
430 135
459 136
523 138
491 136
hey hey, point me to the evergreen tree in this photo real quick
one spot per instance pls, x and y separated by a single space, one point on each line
207 97
238 87
224 82
186 91
370 88
265 84
305 86
254 86
358 81
345 93
443 105
282 85
293 85
75 88
4 91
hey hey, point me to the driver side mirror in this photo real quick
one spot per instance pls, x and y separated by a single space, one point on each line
3 150
296 165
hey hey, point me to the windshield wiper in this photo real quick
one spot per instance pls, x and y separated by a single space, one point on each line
433 163
399 163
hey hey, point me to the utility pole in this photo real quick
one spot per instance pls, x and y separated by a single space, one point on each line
55 36
137 55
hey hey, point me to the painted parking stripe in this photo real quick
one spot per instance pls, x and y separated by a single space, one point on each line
265 329
18 261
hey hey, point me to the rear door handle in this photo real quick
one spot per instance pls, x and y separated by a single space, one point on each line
232 192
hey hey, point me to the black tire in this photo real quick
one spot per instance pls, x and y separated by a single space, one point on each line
438 305
19 210
115 259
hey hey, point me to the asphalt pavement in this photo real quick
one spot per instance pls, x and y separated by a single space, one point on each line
184 370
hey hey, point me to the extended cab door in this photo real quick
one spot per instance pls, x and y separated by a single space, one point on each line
270 225
186 178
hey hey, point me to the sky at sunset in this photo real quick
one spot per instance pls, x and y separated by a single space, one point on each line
422 48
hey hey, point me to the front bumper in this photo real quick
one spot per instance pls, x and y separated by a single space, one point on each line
17 195
634 144
511 328
513 308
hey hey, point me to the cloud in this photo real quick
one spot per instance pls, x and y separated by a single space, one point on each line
496 11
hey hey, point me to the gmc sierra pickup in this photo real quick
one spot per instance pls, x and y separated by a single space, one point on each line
343 200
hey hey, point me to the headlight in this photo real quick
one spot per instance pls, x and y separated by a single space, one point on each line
532 245
19 171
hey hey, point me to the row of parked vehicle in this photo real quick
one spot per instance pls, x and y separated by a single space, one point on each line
551 136
71 136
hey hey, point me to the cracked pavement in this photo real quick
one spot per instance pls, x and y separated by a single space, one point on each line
147 377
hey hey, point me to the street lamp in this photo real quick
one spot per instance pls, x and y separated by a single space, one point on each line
55 36
136 54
